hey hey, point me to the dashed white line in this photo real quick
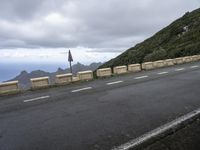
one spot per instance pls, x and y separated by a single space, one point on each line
180 69
160 73
35 99
82 89
116 82
194 67
142 77
135 142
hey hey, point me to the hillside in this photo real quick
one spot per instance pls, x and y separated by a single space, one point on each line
181 38
24 77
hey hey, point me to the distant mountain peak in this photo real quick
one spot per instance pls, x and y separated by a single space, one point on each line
60 69
24 77
24 72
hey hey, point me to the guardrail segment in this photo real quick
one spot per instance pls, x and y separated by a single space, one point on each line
9 87
159 64
147 66
41 82
105 72
85 75
179 60
195 58
120 69
64 78
169 62
187 59
134 68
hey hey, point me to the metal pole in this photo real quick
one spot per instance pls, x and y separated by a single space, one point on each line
70 59
70 63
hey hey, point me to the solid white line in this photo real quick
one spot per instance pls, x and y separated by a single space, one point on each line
180 69
160 73
157 131
142 77
116 82
194 66
82 89
35 99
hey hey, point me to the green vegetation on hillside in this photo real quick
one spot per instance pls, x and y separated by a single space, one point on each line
181 38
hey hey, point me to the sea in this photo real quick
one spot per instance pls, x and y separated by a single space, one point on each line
11 70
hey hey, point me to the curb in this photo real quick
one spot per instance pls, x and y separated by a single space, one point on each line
160 132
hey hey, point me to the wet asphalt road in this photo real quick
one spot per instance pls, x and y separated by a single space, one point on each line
100 114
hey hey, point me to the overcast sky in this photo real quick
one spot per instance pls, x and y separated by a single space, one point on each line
95 30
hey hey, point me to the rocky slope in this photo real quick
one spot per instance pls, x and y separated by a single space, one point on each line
180 38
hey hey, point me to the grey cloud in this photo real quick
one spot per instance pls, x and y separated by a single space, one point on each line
101 25
19 9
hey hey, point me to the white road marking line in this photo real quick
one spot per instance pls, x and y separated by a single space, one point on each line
194 67
180 69
142 77
158 131
160 73
82 89
35 99
116 82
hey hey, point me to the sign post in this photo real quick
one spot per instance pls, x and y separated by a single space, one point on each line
70 59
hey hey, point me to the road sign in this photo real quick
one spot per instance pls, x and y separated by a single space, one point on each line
70 59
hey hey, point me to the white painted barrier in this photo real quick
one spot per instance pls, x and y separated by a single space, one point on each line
134 67
39 82
169 62
64 78
85 75
179 60
75 79
187 59
195 58
198 57
147 66
104 72
120 69
158 64
8 87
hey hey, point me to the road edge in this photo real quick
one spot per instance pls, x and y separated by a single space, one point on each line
160 132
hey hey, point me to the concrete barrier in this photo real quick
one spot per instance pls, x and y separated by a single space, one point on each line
187 59
8 87
198 57
134 67
179 60
104 72
147 66
120 69
174 61
169 62
195 58
75 79
64 78
159 64
85 75
39 82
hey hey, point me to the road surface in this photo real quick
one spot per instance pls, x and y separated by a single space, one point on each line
100 114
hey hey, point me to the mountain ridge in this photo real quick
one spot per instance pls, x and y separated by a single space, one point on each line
24 77
180 38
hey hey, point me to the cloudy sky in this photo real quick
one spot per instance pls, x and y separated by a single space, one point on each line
94 30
